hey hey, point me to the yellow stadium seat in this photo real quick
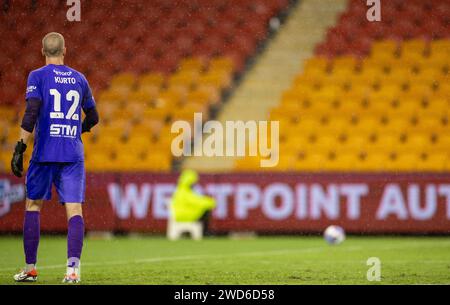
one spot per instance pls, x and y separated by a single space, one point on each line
191 64
112 95
443 90
286 162
385 142
221 64
420 90
325 142
437 60
155 113
320 64
156 161
395 125
388 91
345 162
107 143
296 142
368 124
412 61
441 46
164 141
347 63
327 93
13 134
5 161
384 46
437 105
199 97
342 78
213 92
312 162
184 78
218 79
152 79
443 142
148 127
8 113
107 110
4 127
123 79
309 82
413 46
429 124
336 125
134 110
317 107
247 164
406 161
294 96
146 92
397 76
309 124
187 112
384 60
369 76
374 161
143 95
355 143
118 127
180 90
416 142
168 98
433 162
98 161
127 162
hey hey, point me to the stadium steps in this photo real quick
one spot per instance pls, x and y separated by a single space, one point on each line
275 70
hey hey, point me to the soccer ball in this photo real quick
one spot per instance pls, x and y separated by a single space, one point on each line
334 235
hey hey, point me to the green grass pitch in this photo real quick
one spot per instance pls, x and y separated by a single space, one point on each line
262 260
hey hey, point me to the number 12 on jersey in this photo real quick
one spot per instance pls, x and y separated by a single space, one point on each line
71 96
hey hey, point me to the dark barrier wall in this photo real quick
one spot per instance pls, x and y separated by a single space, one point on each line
264 202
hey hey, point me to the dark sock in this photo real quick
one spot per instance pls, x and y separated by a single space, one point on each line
75 237
31 234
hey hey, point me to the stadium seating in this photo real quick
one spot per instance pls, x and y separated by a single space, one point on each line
375 97
145 73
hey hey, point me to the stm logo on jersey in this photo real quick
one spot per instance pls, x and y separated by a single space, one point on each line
60 130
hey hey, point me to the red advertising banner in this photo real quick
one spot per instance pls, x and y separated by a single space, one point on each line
275 202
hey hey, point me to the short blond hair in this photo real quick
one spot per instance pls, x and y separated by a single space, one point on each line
53 44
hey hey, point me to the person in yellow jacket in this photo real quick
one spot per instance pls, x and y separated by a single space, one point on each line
187 205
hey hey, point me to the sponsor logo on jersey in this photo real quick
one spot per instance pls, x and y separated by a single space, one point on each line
31 89
62 73
61 130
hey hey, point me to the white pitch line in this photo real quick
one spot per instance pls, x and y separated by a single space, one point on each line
189 257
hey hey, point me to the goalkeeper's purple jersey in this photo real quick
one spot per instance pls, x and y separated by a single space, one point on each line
63 92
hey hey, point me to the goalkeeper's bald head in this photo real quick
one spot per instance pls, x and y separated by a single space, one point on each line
53 45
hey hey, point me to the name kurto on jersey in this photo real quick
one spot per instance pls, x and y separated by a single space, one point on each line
65 80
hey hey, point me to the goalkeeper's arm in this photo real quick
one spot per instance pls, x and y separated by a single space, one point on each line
90 120
28 122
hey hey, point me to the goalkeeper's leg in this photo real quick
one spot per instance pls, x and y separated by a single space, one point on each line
31 236
75 236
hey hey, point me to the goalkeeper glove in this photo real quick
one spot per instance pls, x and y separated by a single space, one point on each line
17 159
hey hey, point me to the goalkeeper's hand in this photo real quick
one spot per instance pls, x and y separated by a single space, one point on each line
17 159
